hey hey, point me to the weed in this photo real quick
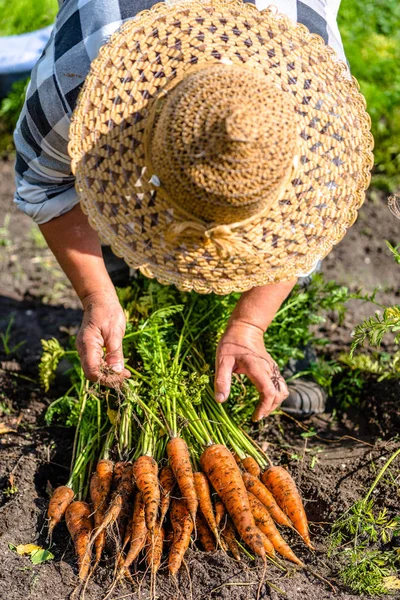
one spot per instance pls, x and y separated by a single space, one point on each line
36 236
6 339
9 491
5 237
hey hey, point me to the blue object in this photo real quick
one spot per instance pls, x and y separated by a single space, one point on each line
19 54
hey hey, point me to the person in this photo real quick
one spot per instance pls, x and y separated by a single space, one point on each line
259 161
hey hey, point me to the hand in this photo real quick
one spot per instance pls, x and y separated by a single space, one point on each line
103 325
241 350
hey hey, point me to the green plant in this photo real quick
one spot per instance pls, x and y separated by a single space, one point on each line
357 538
6 339
5 238
370 31
37 237
22 16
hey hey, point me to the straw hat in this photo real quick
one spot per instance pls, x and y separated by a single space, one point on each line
218 147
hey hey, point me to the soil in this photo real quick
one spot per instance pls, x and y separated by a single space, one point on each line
333 468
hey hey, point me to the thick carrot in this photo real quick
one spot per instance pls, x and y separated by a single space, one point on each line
205 503
182 525
179 459
221 469
119 468
119 500
219 511
145 472
265 522
61 498
80 527
100 486
251 466
256 487
283 488
206 537
167 484
155 542
229 536
138 531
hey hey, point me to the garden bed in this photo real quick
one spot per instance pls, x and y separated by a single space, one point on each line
332 471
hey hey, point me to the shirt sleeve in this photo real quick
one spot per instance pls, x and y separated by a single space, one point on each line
45 186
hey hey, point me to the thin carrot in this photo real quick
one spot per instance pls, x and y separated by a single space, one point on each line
283 488
256 487
145 472
229 536
100 486
119 500
251 466
206 537
61 498
179 459
155 543
80 527
221 469
138 530
205 503
219 510
182 525
265 522
119 468
167 484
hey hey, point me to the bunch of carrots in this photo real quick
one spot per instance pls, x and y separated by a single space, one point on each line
223 499
158 464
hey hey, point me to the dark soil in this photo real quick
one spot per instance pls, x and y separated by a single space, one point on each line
333 469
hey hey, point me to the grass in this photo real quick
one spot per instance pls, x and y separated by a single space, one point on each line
370 31
22 16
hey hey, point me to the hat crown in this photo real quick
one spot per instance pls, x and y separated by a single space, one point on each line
223 143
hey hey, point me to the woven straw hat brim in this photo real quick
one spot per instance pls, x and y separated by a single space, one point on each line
123 199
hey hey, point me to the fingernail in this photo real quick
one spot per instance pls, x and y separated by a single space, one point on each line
219 397
118 368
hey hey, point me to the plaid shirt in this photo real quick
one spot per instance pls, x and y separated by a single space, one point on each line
45 186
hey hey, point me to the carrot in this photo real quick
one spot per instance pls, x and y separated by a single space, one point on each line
221 469
119 501
182 525
167 484
179 459
138 530
229 536
204 532
265 522
282 486
61 498
119 468
100 486
251 466
80 527
145 472
205 504
256 487
155 542
219 511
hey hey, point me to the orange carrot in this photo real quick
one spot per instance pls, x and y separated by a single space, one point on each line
206 537
282 486
179 459
205 503
119 468
167 484
221 469
219 511
265 522
256 487
182 525
61 498
80 527
138 531
155 542
145 471
229 536
119 500
251 466
100 486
